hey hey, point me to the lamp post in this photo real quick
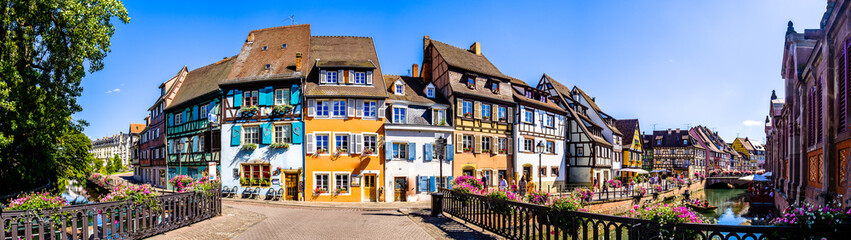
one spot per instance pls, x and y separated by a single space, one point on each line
179 162
540 152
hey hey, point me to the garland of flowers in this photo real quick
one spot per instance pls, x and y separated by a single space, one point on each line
584 194
36 201
202 186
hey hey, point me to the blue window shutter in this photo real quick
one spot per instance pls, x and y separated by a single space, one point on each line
297 129
388 151
237 98
449 182
235 134
267 131
427 152
431 184
195 141
450 152
422 184
267 96
195 113
295 95
261 98
412 151
170 119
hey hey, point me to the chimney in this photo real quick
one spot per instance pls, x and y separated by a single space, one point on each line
476 48
298 62
415 72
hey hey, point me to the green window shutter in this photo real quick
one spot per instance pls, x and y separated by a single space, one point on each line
267 131
170 119
195 113
298 130
295 95
237 98
235 135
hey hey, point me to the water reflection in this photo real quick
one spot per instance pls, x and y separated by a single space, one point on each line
77 193
733 207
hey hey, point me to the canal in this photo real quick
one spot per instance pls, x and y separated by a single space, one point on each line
77 193
733 207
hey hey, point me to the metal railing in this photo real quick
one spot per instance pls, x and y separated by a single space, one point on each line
625 192
111 220
516 220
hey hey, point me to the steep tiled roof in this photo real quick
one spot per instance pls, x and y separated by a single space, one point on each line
549 105
201 81
414 90
353 51
136 128
627 126
250 64
746 143
597 109
463 59
672 138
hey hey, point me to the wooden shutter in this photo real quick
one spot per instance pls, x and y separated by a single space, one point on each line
412 151
323 76
369 77
427 154
358 144
494 112
237 98
311 143
381 108
295 95
351 109
450 154
359 108
459 107
509 114
388 151
351 76
522 145
431 184
477 148
422 183
477 110
267 132
235 135
459 141
340 76
494 145
352 143
297 130
510 146
311 107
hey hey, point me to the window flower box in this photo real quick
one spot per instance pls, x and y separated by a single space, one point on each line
486 150
502 119
502 151
468 149
319 190
442 122
280 145
322 151
468 115
341 190
368 151
280 110
249 147
248 111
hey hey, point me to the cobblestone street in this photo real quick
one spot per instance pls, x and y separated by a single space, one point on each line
257 220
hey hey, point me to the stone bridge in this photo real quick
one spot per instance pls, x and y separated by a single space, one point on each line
725 182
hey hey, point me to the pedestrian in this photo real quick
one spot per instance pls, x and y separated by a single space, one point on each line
514 186
530 185
523 185
485 181
502 184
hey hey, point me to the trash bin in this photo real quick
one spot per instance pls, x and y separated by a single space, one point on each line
436 204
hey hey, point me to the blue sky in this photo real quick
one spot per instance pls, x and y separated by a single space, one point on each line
668 63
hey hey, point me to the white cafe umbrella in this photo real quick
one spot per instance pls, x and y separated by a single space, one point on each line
755 178
638 171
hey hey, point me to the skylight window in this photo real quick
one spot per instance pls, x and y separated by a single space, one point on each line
284 45
268 66
264 48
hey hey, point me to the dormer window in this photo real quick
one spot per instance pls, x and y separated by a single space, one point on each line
331 77
430 91
268 66
360 78
471 83
399 89
264 48
284 45
528 94
495 87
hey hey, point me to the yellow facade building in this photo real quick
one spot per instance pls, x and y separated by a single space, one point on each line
344 123
632 144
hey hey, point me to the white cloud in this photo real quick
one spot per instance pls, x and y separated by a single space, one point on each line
113 91
751 123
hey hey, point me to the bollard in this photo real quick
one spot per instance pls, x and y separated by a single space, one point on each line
436 204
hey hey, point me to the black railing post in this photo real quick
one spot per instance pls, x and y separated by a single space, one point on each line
436 203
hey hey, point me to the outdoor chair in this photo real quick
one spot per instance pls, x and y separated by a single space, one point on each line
233 191
255 192
279 194
225 191
270 194
247 192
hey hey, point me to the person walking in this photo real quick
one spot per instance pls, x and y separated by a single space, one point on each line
503 185
522 186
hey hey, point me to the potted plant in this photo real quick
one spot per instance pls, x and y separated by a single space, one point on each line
243 181
502 119
368 151
468 115
248 111
442 122
340 151
322 151
249 147
466 149
486 118
501 151
279 145
280 110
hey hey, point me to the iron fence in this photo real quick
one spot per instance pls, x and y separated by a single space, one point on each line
111 220
516 220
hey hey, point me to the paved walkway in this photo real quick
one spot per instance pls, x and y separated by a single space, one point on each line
251 219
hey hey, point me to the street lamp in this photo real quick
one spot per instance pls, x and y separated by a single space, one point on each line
179 151
540 152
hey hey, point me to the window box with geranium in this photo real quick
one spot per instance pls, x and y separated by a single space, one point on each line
248 111
468 115
319 190
486 118
502 151
466 149
279 145
322 151
341 190
249 147
502 119
368 151
280 110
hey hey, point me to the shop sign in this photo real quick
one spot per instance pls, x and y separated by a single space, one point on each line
356 180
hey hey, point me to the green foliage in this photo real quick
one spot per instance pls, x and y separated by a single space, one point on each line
47 48
97 163
116 164
109 168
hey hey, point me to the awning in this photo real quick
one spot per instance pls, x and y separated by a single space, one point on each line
768 174
639 171
755 178
661 170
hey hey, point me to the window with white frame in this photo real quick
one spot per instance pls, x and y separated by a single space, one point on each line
251 135
282 133
399 114
439 117
502 113
282 96
468 108
322 143
249 98
341 183
331 77
528 116
360 78
369 109
468 143
400 151
202 111
503 146
486 144
178 119
430 92
486 111
322 108
551 147
321 183
529 145
399 89
434 153
339 109
550 121
341 143
370 143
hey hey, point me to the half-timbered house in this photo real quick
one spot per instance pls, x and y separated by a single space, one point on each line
631 143
540 133
612 135
483 106
674 151
262 106
152 141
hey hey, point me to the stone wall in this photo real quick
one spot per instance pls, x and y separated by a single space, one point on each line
619 206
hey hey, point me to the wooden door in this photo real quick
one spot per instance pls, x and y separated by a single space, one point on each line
401 189
292 186
369 188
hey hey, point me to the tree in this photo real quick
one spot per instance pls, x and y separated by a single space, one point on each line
109 168
98 165
116 164
47 47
